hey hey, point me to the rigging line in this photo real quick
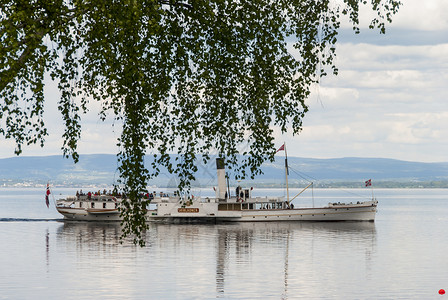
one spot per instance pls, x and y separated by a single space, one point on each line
303 176
349 192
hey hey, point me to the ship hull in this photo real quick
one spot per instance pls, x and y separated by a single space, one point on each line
366 213
323 214
80 214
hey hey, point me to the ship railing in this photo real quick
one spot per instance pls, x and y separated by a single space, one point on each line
265 199
100 198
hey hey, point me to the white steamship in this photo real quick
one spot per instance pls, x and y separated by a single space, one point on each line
241 207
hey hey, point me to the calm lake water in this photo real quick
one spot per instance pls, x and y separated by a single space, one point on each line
403 255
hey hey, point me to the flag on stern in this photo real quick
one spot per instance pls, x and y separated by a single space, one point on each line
369 182
282 148
47 201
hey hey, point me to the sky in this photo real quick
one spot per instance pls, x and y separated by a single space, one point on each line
389 100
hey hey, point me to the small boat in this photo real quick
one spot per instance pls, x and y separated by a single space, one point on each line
241 207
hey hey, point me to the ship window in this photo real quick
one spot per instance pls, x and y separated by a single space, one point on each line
80 204
92 204
229 206
104 205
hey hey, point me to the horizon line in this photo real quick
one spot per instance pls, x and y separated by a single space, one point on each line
300 157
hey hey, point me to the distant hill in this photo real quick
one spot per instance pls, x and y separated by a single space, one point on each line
100 169
348 171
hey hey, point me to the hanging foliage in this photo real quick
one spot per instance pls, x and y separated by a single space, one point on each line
188 77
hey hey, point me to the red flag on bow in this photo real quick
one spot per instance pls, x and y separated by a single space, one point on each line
369 182
47 201
282 148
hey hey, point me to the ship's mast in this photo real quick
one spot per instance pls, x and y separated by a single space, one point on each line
286 173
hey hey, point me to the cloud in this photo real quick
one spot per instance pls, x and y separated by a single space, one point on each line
422 15
418 128
332 97
413 15
391 56
388 100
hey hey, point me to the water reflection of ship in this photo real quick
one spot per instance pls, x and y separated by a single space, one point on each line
87 234
241 239
238 247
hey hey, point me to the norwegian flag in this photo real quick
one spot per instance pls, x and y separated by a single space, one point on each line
47 201
369 182
282 148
